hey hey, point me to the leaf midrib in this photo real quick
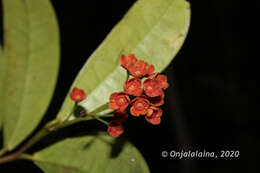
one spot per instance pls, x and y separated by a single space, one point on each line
145 36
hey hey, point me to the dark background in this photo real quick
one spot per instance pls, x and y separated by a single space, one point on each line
211 104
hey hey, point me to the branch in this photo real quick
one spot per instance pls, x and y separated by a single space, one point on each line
46 130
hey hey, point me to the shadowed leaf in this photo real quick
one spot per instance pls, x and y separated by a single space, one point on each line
91 154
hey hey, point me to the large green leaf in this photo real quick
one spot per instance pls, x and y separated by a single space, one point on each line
152 29
31 47
91 154
1 83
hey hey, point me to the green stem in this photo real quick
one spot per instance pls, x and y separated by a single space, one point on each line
101 120
100 109
54 125
72 112
46 130
26 156
108 115
127 75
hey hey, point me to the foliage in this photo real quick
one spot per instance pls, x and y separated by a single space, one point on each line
154 30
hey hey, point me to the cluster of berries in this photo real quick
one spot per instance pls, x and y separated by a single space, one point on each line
143 91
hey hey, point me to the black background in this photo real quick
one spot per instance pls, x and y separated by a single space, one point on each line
211 104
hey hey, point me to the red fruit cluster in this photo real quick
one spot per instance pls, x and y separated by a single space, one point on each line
144 91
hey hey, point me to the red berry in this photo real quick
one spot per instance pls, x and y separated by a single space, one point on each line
119 101
153 115
133 87
149 69
128 61
157 101
138 70
140 106
152 88
141 69
163 81
77 94
115 129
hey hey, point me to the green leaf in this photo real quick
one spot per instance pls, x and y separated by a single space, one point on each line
91 154
31 47
1 83
154 30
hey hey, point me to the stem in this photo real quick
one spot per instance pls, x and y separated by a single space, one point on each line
127 75
108 115
101 120
100 109
26 156
42 133
72 112
46 130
